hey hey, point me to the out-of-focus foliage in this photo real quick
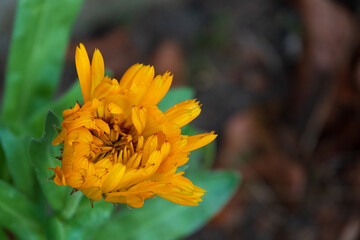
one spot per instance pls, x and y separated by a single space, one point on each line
31 206
43 159
39 40
18 214
17 160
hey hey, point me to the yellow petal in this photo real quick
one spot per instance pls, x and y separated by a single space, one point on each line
92 180
158 88
140 143
102 125
182 191
129 178
107 86
103 163
114 176
165 149
81 135
184 112
127 78
76 178
179 143
68 112
153 163
60 137
84 71
170 163
136 195
180 200
114 108
59 176
92 193
134 161
138 116
141 82
97 69
134 200
198 141
67 162
151 144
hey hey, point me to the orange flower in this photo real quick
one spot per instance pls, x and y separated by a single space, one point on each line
119 145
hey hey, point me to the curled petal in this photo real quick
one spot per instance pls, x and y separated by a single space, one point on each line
59 176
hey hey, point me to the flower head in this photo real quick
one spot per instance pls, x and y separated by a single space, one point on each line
119 145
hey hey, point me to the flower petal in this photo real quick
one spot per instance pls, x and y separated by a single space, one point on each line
141 82
114 176
97 69
138 116
93 193
128 76
184 112
199 140
158 88
84 71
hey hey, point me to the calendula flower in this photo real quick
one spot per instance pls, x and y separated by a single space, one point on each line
119 146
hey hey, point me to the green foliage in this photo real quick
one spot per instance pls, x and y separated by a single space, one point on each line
3 168
39 40
17 159
18 214
42 155
55 229
3 235
88 221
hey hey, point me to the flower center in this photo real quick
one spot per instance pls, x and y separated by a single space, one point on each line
118 146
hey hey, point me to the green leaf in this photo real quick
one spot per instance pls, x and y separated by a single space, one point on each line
4 174
159 219
3 235
55 229
175 96
42 155
17 214
17 159
88 221
209 152
71 205
36 56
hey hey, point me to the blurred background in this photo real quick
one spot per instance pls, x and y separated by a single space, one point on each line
279 82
